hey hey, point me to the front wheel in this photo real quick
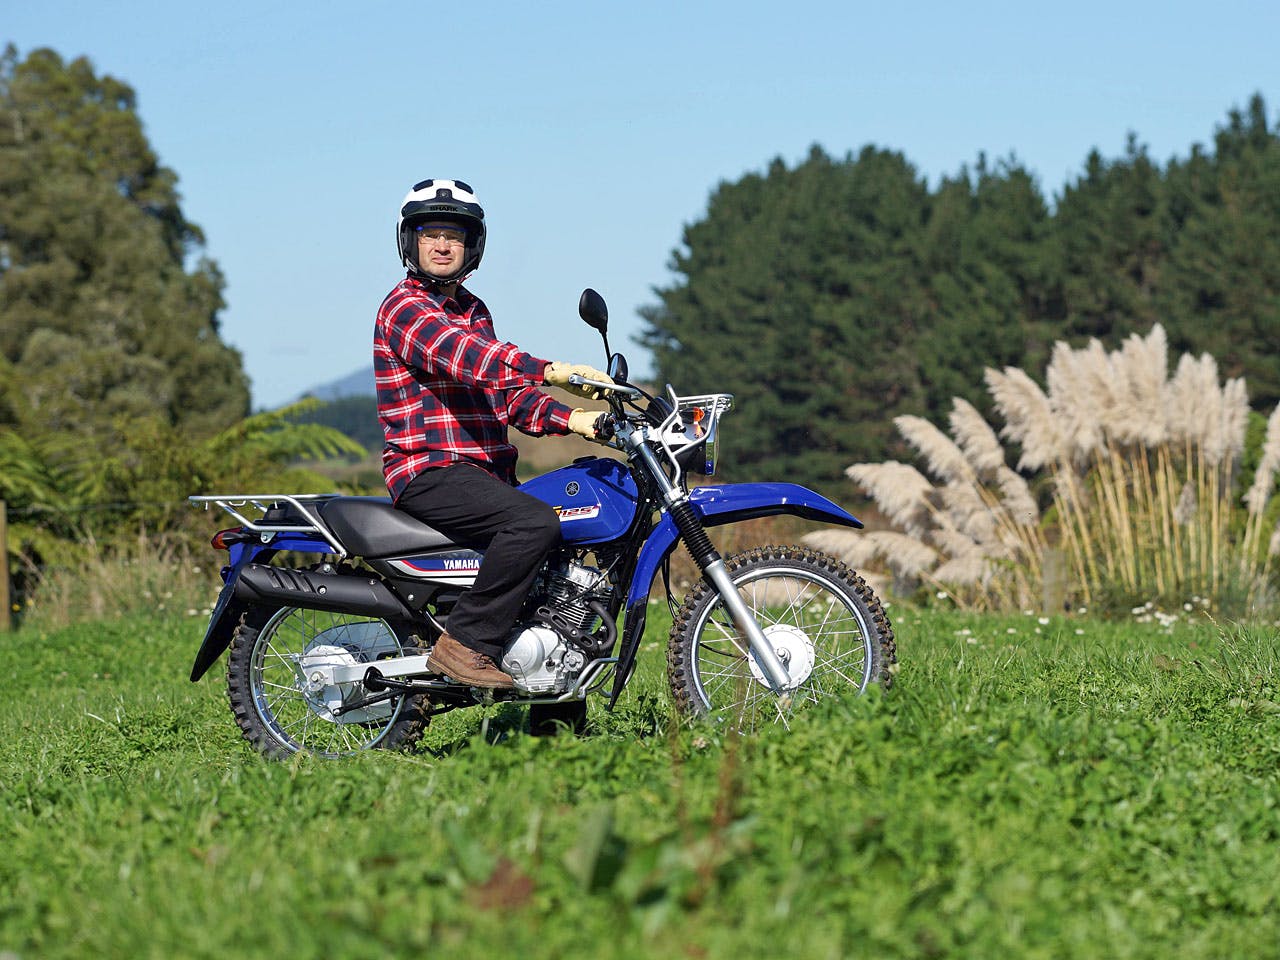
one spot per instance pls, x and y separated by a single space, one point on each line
825 624
276 654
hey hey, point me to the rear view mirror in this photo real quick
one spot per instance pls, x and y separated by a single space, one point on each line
592 309
618 368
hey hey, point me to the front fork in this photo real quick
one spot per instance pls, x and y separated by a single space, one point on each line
712 566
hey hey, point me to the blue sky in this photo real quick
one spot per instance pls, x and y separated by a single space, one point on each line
594 131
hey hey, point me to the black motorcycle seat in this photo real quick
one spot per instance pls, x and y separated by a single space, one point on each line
372 528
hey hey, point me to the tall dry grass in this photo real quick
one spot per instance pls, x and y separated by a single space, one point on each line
146 575
1135 469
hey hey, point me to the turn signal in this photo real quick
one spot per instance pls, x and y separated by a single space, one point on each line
223 539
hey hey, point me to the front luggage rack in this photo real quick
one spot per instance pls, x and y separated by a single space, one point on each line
240 505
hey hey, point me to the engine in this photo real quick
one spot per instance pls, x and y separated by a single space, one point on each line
537 656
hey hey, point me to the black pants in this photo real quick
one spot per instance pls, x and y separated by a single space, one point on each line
514 529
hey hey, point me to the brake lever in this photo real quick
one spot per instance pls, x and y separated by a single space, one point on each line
619 388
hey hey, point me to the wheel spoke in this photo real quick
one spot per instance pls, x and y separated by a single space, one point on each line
814 619
792 605
292 645
281 686
292 725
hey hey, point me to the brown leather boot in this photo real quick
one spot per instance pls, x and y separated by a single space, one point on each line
465 665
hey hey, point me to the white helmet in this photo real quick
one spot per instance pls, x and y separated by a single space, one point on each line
448 200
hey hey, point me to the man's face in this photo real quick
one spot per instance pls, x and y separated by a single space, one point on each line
442 247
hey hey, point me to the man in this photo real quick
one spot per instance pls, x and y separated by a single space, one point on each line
447 391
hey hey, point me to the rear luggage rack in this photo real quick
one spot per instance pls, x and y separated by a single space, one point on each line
260 505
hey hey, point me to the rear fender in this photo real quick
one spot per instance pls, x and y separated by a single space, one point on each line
228 610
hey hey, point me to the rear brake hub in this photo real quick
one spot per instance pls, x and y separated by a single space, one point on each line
316 677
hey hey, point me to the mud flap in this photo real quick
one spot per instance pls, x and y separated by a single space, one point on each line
226 615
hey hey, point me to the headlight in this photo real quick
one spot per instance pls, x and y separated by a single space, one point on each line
691 434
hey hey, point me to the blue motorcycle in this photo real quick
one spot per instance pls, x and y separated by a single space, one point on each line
331 657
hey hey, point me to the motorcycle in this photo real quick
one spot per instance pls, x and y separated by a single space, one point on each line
331 657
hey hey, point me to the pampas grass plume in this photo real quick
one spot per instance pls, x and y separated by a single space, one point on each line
901 491
963 571
1146 365
1029 421
975 437
946 460
1017 498
1233 421
1072 378
1264 477
851 546
904 555
1139 466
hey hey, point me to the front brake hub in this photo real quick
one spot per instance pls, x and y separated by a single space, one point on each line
794 650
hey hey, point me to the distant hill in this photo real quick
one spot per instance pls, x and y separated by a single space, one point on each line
357 384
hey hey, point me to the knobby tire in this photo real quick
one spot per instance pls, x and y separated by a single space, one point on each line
702 625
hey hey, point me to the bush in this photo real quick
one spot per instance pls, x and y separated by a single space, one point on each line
1137 472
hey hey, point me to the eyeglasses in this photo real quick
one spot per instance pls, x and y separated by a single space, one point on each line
451 235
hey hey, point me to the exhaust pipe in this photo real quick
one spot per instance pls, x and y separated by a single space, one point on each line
310 590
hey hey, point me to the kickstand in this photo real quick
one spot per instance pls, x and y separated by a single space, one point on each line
487 704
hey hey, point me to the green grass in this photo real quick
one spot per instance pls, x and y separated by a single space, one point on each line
1067 789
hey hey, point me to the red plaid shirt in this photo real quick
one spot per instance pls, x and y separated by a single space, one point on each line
448 388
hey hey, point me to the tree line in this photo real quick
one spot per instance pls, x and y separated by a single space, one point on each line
838 293
118 397
830 296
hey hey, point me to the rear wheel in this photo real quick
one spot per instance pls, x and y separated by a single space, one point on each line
825 624
274 675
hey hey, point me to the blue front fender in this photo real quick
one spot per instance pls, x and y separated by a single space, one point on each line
732 503
716 506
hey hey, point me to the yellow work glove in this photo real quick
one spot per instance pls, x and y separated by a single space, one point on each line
583 423
558 374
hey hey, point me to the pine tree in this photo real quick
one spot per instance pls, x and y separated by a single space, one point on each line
1221 293
988 279
101 319
800 294
1109 247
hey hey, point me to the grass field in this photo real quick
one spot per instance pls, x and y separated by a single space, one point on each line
1070 788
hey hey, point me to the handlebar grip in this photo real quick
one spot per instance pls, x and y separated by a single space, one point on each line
605 426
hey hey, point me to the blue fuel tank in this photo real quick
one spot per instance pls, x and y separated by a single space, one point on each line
594 496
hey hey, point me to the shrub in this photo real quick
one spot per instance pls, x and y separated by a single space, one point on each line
148 575
1132 494
70 507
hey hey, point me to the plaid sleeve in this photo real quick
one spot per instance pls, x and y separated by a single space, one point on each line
427 340
533 412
